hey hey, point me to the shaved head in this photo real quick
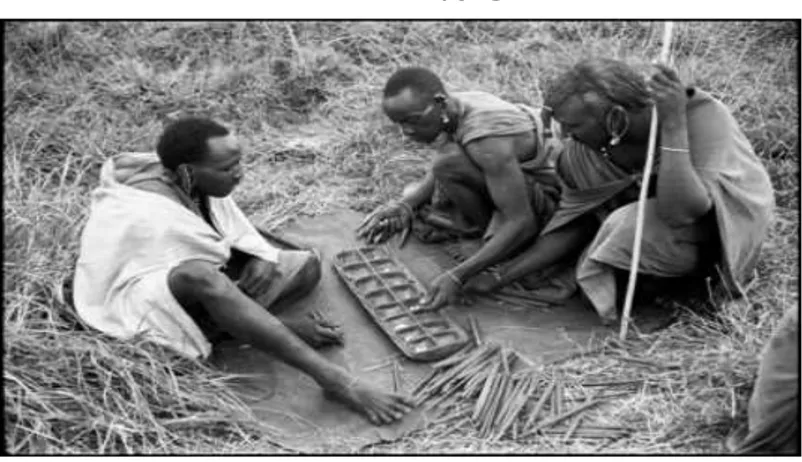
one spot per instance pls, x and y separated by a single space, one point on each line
419 80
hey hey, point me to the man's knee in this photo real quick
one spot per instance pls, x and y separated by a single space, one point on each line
453 165
194 281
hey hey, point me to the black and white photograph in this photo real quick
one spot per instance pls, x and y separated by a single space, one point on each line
401 236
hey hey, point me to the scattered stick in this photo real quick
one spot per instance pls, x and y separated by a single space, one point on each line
558 398
477 339
608 396
517 300
516 403
396 376
648 363
456 357
613 384
560 418
531 296
572 428
381 365
540 404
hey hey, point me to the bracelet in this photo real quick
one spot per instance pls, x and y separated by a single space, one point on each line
454 277
664 148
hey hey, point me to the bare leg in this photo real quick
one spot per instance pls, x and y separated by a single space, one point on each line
300 286
200 282
465 186
313 328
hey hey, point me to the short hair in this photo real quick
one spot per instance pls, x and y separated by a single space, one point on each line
185 141
615 82
419 79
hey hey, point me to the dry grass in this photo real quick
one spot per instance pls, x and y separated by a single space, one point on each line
305 96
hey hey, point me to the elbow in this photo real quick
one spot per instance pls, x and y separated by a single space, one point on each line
676 217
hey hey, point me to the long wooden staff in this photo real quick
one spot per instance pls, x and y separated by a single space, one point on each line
647 175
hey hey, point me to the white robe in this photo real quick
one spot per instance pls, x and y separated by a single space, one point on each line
131 242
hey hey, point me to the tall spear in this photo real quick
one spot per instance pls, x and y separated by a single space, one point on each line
647 174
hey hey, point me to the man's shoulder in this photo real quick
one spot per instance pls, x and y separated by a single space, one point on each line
477 100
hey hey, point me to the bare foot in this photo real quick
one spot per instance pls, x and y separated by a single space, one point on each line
315 329
378 406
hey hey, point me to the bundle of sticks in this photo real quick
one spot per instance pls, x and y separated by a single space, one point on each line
495 391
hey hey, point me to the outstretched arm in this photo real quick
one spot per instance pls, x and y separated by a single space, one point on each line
551 248
506 185
419 193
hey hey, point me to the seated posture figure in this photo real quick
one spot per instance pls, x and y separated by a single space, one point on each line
773 414
166 253
710 200
490 165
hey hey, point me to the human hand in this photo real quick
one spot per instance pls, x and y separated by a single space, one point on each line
482 284
257 275
668 93
445 290
384 222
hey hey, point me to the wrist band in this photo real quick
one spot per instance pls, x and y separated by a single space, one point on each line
664 148
454 277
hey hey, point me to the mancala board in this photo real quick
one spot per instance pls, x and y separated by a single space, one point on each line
391 295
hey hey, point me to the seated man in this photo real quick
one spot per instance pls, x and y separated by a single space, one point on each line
490 164
166 253
711 199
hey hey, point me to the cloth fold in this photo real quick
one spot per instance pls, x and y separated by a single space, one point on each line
738 184
135 237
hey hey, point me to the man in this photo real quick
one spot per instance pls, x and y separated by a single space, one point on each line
773 417
168 254
490 165
711 200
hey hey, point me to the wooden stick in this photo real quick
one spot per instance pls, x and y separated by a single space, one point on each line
479 355
558 398
539 406
496 398
648 363
482 399
458 356
613 384
517 299
572 428
381 365
530 296
517 401
605 396
425 381
477 338
396 377
506 405
647 173
560 418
